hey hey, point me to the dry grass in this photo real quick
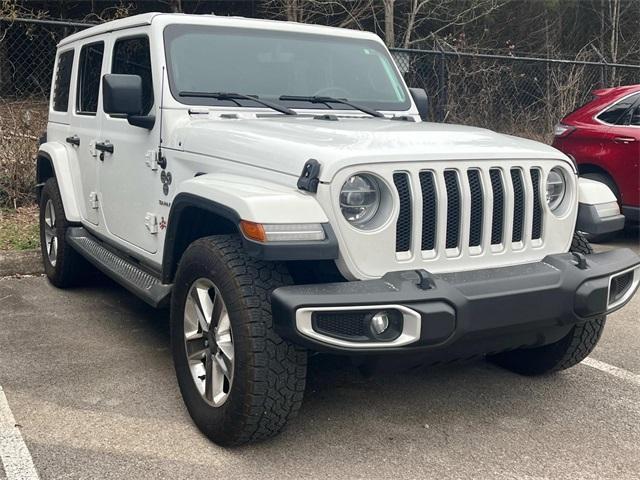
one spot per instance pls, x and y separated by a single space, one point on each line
22 122
19 228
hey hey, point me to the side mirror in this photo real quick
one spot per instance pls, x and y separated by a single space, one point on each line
421 99
122 94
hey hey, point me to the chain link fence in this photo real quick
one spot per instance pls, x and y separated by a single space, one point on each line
521 96
516 95
27 55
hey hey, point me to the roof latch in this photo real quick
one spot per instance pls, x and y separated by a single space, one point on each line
309 179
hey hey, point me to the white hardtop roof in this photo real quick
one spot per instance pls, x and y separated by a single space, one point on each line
213 20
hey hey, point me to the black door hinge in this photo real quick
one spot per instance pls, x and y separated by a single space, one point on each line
309 178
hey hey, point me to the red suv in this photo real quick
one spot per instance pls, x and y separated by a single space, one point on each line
603 137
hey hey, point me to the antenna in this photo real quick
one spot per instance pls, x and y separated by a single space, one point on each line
161 160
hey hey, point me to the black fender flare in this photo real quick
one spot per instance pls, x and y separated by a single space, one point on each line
326 249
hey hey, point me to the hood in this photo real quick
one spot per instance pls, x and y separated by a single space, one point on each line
284 144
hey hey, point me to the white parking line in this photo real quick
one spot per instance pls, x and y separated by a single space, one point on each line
16 459
611 370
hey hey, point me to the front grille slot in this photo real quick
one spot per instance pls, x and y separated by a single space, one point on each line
518 205
489 205
497 222
477 208
453 208
536 228
429 210
403 227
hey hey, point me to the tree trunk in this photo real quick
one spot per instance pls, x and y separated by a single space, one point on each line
5 77
389 23
411 21
175 6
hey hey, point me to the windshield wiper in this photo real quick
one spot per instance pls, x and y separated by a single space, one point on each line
327 100
239 96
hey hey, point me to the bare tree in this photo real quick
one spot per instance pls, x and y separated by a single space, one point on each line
338 13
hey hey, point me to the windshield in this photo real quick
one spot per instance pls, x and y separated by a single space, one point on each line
271 64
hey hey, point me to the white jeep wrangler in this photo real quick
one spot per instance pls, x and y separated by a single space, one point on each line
275 185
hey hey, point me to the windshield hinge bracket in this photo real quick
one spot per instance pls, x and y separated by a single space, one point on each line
309 179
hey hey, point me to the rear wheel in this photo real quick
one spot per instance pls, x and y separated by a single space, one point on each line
240 381
62 264
563 354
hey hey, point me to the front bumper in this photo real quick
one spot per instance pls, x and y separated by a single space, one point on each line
459 315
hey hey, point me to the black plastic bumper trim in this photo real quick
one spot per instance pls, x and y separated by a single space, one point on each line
485 310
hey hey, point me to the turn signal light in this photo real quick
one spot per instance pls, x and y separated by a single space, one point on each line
253 231
282 232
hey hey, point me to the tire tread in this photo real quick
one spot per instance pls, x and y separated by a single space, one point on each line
277 380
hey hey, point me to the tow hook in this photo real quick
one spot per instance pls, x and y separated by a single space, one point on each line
425 280
581 261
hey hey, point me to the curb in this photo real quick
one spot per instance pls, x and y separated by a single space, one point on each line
22 262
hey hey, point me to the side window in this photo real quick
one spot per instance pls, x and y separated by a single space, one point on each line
89 78
62 82
635 116
131 57
615 114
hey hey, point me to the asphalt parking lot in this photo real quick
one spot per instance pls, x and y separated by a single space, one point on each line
88 379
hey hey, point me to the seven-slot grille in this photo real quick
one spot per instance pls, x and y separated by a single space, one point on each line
472 201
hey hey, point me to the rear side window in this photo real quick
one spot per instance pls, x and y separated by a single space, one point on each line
131 57
89 78
62 82
635 116
615 114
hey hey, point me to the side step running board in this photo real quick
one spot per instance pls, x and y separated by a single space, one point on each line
129 275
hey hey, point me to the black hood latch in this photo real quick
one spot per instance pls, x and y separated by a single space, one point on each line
309 179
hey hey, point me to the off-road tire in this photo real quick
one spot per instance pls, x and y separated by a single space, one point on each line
70 267
566 352
269 372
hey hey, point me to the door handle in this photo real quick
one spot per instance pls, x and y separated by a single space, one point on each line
74 140
104 146
624 139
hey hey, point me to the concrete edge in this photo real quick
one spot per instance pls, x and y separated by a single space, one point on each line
20 262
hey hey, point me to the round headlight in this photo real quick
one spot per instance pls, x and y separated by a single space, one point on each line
360 199
556 188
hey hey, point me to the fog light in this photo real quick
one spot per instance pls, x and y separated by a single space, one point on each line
380 322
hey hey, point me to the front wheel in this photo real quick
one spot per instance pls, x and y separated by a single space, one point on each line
566 352
240 381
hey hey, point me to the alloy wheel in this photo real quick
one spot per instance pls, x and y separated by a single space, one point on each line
209 341
50 234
